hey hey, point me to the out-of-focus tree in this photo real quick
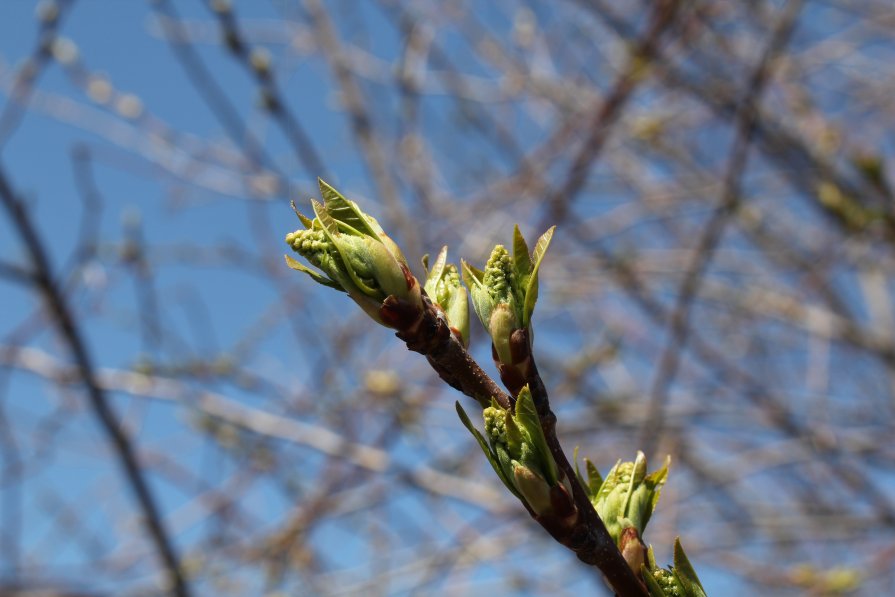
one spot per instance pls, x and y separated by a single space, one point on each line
181 414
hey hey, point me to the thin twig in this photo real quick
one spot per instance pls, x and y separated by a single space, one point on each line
588 537
272 100
58 307
609 111
714 229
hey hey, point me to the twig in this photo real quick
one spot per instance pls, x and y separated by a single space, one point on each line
260 68
799 163
714 229
65 323
588 536
32 68
256 421
609 111
214 96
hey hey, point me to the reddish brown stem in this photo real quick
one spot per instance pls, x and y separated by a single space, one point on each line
429 334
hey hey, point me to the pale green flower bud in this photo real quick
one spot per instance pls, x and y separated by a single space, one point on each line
627 496
504 296
515 445
495 288
500 279
444 288
495 424
355 256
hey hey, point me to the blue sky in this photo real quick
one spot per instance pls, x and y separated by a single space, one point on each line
213 292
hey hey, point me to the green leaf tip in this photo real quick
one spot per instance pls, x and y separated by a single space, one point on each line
685 572
531 287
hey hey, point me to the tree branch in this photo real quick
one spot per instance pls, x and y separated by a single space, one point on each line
587 536
65 324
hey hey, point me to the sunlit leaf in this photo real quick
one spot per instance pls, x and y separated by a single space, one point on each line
521 258
685 572
527 416
594 478
531 290
344 211
316 276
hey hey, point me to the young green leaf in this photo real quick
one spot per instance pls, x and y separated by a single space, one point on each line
346 212
655 481
527 417
307 222
531 290
433 276
472 276
481 298
685 572
594 478
320 279
438 267
521 257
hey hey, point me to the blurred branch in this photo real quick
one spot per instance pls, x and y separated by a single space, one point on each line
705 248
725 291
58 307
804 167
362 124
259 64
257 421
205 83
50 15
16 273
610 110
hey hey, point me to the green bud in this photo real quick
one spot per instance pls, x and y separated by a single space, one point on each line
500 279
679 580
504 296
500 327
495 424
494 288
444 288
354 255
515 445
534 489
373 265
628 496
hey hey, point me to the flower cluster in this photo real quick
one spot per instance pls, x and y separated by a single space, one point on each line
504 296
355 256
515 445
